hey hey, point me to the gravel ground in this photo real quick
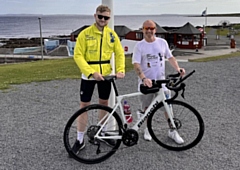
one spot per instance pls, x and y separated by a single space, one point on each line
33 117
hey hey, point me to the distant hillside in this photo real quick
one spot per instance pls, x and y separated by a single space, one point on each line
218 15
224 15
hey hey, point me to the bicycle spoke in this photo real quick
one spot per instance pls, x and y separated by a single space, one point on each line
189 125
95 150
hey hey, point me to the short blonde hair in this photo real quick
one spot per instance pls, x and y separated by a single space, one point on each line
103 8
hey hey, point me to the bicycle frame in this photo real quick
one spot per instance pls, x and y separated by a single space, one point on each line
160 97
109 125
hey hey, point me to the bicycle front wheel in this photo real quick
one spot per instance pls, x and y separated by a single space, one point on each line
189 125
95 150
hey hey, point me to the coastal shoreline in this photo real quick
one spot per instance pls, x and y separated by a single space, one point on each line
8 44
12 43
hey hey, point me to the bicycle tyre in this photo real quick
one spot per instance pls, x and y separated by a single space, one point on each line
87 155
191 129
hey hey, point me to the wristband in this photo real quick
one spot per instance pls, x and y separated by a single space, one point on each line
143 79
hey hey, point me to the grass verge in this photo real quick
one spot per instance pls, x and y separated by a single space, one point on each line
214 58
57 69
45 70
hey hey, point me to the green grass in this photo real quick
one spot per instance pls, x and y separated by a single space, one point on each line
57 69
236 26
214 58
38 71
225 31
207 29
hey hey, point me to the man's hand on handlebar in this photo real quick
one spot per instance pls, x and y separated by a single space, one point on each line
147 82
97 76
120 75
181 71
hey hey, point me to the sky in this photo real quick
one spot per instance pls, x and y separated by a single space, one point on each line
120 7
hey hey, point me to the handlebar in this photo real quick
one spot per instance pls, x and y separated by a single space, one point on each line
110 77
175 80
176 83
184 78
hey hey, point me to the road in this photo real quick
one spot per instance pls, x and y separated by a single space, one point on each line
33 117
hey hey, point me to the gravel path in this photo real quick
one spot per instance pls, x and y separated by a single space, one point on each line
33 117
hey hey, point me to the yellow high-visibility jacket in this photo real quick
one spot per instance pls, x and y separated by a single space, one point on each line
93 51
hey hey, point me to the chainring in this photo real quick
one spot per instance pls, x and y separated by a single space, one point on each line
130 137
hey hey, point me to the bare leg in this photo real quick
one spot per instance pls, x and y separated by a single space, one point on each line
82 119
146 135
102 113
167 118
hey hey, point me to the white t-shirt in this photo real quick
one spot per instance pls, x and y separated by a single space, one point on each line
151 57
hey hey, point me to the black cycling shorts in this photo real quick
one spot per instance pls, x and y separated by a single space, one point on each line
87 88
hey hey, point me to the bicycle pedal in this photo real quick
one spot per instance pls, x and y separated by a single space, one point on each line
94 142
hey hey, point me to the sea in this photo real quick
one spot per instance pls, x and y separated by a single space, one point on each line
28 26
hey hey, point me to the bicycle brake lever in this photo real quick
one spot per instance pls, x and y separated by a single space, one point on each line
183 90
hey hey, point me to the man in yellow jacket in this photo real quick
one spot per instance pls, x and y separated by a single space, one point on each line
92 53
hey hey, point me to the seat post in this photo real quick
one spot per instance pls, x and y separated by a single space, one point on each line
114 87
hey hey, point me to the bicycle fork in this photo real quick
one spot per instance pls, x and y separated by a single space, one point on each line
169 114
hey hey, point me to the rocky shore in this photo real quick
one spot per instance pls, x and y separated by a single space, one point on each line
27 42
20 42
7 45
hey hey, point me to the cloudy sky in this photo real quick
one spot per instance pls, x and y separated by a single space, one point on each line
120 7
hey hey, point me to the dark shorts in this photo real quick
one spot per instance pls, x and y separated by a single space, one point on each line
87 88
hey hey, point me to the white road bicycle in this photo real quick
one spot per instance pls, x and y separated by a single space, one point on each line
181 116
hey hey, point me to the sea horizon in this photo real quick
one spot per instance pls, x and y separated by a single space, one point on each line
190 15
28 25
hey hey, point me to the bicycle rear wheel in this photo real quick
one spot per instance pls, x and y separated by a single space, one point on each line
95 151
189 122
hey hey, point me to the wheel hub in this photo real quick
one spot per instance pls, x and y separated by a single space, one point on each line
92 130
178 123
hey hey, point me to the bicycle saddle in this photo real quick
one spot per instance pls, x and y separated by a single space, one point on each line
147 90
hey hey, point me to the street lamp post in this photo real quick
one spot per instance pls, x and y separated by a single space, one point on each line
41 36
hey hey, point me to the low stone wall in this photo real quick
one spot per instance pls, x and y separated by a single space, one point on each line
6 50
7 60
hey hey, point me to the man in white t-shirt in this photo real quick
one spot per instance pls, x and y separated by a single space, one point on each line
149 64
